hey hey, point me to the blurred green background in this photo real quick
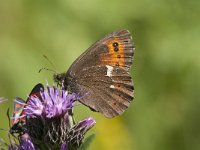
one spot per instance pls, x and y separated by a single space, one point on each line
165 114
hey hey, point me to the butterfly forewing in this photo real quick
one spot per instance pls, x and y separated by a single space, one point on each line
115 49
17 111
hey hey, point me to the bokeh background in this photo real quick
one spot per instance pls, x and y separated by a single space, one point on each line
165 114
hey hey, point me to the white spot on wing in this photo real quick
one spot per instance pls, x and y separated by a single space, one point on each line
109 70
112 86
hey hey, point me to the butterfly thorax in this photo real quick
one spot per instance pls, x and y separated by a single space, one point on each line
64 80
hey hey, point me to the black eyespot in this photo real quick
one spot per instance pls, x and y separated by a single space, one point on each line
115 44
116 49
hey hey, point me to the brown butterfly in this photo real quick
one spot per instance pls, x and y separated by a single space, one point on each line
101 74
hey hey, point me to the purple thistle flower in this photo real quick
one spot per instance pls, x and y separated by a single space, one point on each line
76 133
53 103
50 123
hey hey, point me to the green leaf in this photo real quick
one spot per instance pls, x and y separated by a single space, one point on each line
86 142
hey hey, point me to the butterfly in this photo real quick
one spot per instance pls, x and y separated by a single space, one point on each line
101 75
19 117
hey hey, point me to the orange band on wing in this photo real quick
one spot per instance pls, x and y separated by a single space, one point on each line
115 54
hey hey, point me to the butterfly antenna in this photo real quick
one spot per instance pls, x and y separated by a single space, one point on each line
52 70
47 69
49 61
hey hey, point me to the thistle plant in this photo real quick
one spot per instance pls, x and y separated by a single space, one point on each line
45 121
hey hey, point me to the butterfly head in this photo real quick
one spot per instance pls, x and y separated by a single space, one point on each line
59 78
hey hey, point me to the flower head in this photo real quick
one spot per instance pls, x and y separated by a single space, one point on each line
45 121
49 120
51 103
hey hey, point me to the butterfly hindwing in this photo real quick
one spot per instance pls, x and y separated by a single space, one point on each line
107 89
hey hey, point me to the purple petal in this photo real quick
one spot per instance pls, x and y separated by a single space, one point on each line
24 144
64 146
54 103
76 133
87 123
